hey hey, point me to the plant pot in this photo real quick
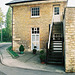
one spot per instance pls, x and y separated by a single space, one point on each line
34 52
42 62
22 52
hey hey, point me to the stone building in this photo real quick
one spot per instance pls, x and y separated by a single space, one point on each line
70 36
46 24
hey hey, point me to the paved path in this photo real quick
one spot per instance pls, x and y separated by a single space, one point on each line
13 70
27 61
34 62
5 70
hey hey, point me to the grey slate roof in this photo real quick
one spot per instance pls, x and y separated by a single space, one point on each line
21 1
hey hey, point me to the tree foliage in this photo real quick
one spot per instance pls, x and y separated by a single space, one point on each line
1 15
9 25
1 22
6 32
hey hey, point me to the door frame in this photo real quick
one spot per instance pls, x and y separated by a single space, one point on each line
54 12
35 34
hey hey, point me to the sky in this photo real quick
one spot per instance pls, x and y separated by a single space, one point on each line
71 3
3 6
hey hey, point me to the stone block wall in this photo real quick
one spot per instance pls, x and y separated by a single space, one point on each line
23 22
70 39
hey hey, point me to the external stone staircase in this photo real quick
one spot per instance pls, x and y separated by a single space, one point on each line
55 52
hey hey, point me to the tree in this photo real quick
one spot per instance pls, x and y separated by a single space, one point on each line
1 22
1 15
9 25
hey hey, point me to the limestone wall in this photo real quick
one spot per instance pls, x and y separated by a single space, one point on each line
23 22
70 40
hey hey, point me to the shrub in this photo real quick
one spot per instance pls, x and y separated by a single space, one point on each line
12 53
42 57
42 52
21 48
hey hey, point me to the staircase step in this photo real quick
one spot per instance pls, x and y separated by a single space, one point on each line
55 57
55 53
54 62
57 41
56 44
57 48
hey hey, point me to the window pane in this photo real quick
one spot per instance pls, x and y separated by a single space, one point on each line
32 32
33 37
37 28
37 37
38 32
33 44
37 44
56 10
35 32
38 9
35 11
32 9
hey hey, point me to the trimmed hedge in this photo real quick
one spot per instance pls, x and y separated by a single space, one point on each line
12 53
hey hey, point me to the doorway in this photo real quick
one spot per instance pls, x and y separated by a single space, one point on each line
35 38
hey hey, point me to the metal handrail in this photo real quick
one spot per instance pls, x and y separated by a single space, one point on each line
50 32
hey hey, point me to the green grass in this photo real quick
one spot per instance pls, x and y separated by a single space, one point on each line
5 42
12 53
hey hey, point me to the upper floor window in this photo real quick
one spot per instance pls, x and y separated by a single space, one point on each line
56 10
35 12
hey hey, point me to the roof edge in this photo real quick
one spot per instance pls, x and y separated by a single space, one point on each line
29 1
21 2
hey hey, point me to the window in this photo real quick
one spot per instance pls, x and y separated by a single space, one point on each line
56 11
35 30
35 11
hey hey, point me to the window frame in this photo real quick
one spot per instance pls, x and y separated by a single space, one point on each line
55 11
36 15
